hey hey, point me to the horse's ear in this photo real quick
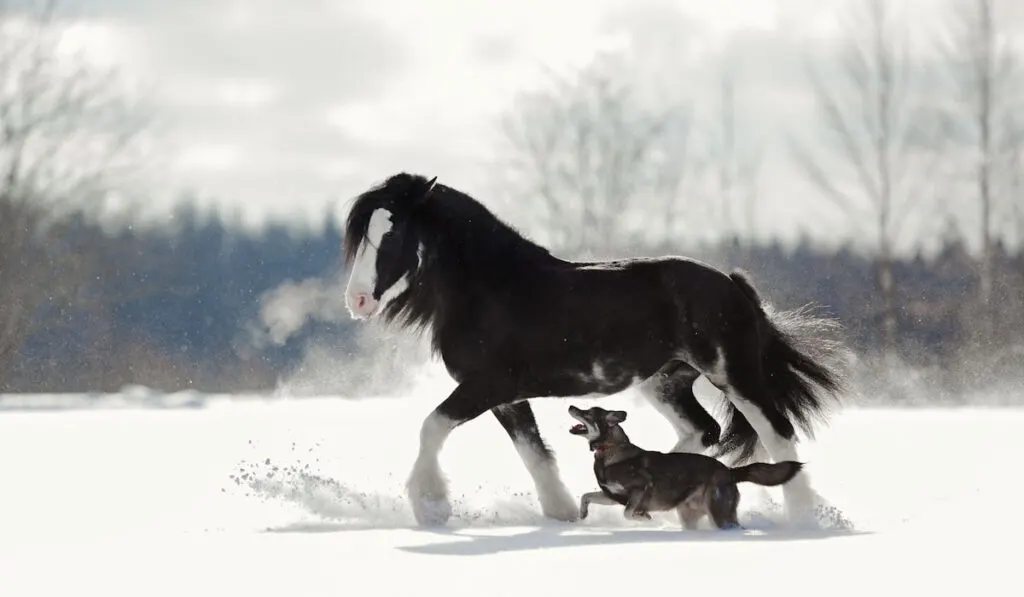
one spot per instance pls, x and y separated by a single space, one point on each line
429 191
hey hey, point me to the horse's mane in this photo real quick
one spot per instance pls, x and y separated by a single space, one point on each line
358 221
465 232
466 247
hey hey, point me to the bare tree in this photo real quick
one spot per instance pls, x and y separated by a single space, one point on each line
1017 193
66 138
676 167
737 160
989 131
589 147
879 153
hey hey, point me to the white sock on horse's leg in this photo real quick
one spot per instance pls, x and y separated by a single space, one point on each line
800 497
688 435
427 488
555 500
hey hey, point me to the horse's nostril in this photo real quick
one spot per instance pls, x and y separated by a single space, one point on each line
361 301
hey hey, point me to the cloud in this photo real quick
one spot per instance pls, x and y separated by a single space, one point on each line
242 89
315 99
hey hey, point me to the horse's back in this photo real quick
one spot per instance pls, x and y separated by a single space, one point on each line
646 281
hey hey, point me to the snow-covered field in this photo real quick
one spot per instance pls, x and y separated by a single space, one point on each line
143 501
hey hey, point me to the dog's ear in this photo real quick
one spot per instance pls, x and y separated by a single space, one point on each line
614 417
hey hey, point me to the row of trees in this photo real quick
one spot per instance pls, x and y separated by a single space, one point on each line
176 307
907 130
201 305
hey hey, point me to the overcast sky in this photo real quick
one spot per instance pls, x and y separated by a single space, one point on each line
275 106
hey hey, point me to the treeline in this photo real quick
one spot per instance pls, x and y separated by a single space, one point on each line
173 308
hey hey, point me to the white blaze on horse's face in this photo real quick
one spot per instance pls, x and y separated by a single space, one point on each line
362 279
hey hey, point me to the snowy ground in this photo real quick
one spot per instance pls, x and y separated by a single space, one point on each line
141 502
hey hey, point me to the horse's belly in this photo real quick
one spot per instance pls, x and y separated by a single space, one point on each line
576 382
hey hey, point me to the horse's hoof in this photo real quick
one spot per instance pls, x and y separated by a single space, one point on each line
562 511
431 512
428 493
564 517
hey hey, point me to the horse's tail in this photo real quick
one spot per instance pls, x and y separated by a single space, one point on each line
801 360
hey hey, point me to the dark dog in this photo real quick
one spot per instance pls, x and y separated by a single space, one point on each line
646 481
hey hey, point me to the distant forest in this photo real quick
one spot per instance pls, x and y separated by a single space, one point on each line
170 308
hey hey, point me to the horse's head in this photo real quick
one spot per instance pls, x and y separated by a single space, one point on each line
381 245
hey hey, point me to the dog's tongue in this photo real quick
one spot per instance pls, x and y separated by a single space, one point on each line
578 427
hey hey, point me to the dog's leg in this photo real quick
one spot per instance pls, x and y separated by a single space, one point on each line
519 422
636 507
693 508
723 503
594 497
689 516
670 392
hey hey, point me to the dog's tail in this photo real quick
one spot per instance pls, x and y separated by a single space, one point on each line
802 357
769 475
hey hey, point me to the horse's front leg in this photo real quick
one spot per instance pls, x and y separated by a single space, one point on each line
426 487
519 421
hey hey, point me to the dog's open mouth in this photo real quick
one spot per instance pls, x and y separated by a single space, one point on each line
578 429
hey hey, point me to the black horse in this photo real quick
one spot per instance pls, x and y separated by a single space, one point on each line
512 322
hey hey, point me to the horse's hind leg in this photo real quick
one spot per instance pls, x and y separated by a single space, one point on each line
670 391
555 500
738 373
